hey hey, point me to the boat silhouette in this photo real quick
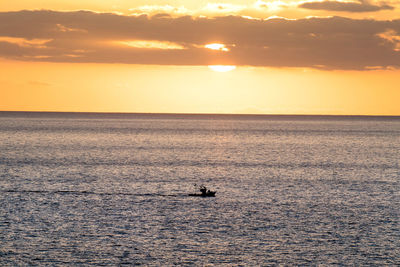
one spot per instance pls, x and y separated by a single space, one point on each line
204 192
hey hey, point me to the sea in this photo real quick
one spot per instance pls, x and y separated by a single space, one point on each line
87 189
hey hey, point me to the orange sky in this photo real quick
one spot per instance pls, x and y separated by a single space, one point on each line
122 56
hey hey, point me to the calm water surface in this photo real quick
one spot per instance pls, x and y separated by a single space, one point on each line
104 189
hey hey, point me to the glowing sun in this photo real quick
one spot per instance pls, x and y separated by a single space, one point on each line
222 68
216 46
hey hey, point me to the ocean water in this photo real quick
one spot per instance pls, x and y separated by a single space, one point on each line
112 189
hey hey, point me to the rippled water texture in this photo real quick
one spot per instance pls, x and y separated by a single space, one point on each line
81 189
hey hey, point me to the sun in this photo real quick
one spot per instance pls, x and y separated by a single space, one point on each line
217 46
222 68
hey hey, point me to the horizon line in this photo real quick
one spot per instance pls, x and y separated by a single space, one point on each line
197 114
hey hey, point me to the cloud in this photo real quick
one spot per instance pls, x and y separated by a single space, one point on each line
361 6
223 8
160 9
270 5
260 8
84 36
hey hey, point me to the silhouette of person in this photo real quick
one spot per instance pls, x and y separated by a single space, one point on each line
203 190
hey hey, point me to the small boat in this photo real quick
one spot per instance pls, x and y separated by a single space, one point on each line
207 194
204 192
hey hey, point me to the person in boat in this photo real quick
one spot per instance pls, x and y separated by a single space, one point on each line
203 190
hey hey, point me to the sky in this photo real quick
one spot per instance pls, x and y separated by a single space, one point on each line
248 57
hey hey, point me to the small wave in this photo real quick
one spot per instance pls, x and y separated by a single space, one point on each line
73 192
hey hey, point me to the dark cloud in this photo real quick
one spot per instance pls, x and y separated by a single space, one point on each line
83 36
361 6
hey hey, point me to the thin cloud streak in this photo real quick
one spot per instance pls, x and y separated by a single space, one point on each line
84 36
361 6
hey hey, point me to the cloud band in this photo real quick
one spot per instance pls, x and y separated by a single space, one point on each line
84 36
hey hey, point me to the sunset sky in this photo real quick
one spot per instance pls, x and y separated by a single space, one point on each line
258 57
